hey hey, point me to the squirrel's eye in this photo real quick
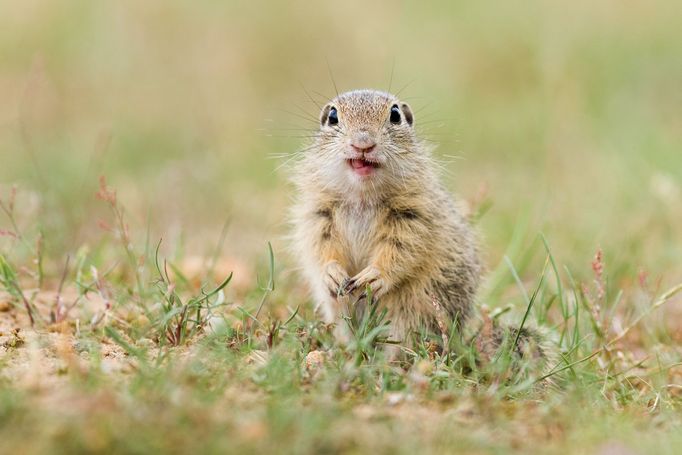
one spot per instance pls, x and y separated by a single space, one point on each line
395 114
333 116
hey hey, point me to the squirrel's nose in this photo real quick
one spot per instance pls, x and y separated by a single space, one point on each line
363 143
363 149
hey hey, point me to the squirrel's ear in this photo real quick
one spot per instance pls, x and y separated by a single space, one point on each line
324 115
407 112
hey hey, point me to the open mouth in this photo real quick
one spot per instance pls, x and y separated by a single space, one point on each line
363 167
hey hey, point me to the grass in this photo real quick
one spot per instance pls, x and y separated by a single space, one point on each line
144 360
167 316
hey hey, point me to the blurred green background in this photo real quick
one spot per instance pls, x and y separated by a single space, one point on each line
566 116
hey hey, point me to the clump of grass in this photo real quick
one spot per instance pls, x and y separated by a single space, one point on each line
8 276
121 230
368 326
9 281
180 319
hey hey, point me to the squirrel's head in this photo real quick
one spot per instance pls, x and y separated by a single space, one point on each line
366 139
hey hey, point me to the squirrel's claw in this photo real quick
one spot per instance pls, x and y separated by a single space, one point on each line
347 287
368 279
362 297
335 277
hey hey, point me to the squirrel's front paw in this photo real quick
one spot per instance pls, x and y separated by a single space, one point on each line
369 278
335 278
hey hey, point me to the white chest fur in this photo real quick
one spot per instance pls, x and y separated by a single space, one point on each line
357 226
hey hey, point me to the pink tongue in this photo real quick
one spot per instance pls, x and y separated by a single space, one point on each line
358 164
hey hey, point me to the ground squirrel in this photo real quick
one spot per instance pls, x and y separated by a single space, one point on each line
372 214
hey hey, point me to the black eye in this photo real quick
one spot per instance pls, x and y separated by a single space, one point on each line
333 116
395 114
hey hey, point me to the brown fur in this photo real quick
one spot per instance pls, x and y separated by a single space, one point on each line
398 232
